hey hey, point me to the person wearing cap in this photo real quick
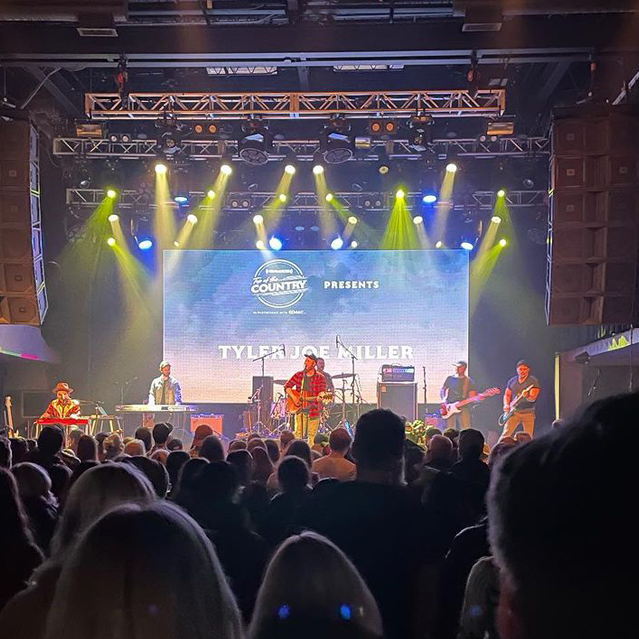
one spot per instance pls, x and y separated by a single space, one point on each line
525 386
62 407
309 383
456 388
165 390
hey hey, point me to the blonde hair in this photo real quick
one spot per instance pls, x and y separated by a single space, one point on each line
144 571
312 577
97 491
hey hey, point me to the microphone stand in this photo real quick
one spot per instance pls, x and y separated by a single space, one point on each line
425 394
124 387
353 357
260 401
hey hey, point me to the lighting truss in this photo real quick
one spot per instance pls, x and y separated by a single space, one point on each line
243 201
304 150
284 105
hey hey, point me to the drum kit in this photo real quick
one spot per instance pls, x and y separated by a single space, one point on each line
335 410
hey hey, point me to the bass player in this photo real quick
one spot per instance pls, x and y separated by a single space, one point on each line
456 388
303 391
520 396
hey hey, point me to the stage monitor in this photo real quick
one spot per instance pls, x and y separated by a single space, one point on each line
224 309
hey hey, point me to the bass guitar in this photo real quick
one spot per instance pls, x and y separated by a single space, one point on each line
295 402
513 405
448 410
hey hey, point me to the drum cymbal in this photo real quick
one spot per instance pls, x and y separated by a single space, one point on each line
342 376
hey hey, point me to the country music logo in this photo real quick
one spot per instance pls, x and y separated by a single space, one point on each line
279 284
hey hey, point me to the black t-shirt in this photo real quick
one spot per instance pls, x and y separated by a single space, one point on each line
455 386
524 406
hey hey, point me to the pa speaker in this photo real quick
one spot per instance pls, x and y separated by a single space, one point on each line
23 296
593 249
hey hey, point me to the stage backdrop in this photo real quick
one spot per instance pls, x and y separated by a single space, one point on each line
222 309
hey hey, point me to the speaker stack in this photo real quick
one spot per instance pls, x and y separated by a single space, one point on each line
593 243
23 296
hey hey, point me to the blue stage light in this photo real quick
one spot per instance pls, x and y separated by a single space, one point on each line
145 244
429 198
337 243
275 243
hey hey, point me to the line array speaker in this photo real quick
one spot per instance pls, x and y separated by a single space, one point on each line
23 295
593 243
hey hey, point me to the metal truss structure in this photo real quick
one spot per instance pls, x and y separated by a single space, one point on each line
304 150
245 201
284 105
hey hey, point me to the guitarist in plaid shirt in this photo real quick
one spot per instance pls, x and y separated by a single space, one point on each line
303 390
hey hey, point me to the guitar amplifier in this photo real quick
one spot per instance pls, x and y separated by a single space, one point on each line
400 397
214 421
397 373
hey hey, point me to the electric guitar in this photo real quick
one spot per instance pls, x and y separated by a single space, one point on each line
513 405
448 410
295 401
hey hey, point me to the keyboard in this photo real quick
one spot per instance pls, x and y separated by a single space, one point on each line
145 408
67 421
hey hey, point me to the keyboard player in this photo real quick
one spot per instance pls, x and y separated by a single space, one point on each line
62 407
165 390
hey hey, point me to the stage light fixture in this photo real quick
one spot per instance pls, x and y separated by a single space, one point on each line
418 219
352 220
495 219
258 219
253 148
112 194
226 169
354 244
282 197
192 218
329 197
467 246
439 244
318 169
161 168
114 217
181 199
429 198
260 245
275 243
383 167
111 241
145 244
176 244
451 167
501 193
337 146
399 194
210 194
289 169
337 243
503 242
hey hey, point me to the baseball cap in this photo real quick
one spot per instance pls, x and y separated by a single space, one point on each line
461 362
311 356
522 362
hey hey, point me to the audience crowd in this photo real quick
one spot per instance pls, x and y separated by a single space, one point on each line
113 537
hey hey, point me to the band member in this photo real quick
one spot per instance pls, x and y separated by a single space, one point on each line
62 407
309 383
456 388
329 379
165 390
527 386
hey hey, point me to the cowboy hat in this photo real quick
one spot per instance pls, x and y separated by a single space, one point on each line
62 386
